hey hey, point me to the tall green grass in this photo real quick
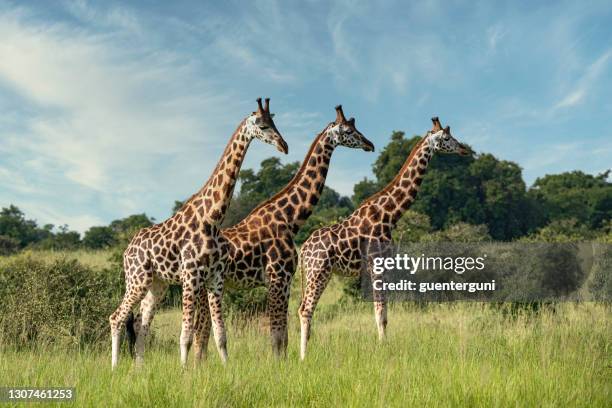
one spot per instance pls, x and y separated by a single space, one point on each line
441 355
454 354
98 259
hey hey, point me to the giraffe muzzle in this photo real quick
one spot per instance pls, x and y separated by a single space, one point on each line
368 146
282 147
465 151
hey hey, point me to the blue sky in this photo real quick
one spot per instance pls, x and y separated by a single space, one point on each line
110 109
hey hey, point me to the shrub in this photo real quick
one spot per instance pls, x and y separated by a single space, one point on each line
8 245
59 302
245 302
601 283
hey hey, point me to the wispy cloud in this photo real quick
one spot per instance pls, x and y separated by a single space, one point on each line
111 108
587 81
495 35
102 114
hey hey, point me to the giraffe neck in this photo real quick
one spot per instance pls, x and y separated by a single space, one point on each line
297 200
401 192
212 201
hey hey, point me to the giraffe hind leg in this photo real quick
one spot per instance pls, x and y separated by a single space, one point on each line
148 307
317 279
278 301
215 297
138 278
202 327
132 296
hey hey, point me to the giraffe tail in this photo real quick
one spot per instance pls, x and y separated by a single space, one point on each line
131 332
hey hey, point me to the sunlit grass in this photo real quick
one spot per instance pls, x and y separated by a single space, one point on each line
449 355
462 354
90 258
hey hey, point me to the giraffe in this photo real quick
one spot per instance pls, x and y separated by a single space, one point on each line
185 249
261 246
340 247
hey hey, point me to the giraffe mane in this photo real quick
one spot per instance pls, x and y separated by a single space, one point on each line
294 179
225 151
401 171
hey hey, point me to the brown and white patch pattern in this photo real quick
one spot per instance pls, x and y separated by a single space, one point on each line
187 248
338 248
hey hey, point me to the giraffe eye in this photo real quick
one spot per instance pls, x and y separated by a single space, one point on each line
264 127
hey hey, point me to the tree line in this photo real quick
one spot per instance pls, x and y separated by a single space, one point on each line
477 195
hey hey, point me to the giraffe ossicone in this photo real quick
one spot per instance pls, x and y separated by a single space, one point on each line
186 249
338 248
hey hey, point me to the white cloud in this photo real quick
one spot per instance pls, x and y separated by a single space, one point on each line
586 82
78 222
495 34
112 109
105 114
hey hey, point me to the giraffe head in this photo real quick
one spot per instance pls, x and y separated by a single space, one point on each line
344 133
441 140
260 125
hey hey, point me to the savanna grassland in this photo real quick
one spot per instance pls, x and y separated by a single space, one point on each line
461 354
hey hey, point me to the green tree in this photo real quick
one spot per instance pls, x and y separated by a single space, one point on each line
256 187
15 226
99 237
475 190
393 156
8 245
460 232
177 206
583 197
63 239
412 227
131 223
332 207
386 166
364 189
566 230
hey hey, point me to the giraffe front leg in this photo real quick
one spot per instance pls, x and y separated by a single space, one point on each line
191 289
316 281
215 298
380 312
202 329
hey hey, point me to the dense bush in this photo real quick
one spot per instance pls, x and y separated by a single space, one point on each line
245 302
59 302
8 245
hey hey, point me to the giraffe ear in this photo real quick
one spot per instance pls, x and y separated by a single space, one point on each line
351 121
447 130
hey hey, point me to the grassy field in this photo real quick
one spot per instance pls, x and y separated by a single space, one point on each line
442 355
88 257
